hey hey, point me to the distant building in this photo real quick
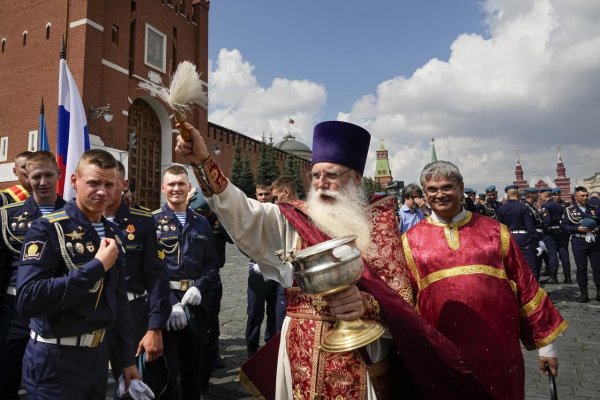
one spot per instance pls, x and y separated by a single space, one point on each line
383 173
561 181
290 145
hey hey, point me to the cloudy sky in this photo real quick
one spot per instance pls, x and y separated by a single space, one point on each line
484 78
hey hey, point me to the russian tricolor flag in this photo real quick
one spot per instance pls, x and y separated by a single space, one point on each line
73 136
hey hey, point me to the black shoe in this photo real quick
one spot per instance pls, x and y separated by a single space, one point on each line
568 280
545 272
250 351
552 280
583 298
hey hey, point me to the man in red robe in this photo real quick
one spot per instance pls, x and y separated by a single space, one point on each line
475 287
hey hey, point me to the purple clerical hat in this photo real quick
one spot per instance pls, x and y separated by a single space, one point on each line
341 143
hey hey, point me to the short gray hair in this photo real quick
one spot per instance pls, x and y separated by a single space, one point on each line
440 169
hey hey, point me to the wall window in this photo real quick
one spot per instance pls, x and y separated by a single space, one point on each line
3 44
115 34
48 25
155 49
4 148
25 38
32 143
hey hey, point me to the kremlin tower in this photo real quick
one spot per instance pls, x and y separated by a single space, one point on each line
383 174
562 181
519 181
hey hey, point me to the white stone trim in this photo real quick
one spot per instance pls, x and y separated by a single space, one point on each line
86 21
115 67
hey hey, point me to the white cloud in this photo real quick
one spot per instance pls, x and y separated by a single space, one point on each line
533 85
237 101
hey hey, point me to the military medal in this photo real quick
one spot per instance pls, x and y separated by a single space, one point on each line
79 247
21 225
90 247
131 229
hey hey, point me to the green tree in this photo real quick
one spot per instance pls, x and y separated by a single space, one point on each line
267 170
371 186
241 172
292 169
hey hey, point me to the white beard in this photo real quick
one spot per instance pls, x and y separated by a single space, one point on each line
346 215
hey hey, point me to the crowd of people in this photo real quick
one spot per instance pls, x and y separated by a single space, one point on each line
99 279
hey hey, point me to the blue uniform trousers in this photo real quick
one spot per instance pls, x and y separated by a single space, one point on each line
563 253
14 334
183 351
552 251
529 252
259 293
53 372
582 251
211 302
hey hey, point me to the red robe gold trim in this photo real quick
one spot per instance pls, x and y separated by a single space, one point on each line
476 288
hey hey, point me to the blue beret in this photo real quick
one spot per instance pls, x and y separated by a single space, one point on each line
341 143
491 188
510 187
556 191
588 223
544 190
469 190
482 195
531 190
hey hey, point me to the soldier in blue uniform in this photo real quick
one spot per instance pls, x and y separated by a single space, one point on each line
145 276
584 241
186 244
519 220
531 197
554 239
71 285
16 218
470 199
491 204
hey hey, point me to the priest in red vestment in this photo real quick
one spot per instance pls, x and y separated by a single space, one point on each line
413 360
472 283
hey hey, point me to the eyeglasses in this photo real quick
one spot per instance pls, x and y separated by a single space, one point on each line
329 175
446 190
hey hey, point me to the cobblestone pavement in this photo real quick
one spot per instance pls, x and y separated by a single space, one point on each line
579 348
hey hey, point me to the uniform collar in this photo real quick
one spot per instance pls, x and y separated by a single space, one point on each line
78 216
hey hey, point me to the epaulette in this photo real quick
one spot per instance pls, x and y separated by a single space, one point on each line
157 211
142 208
56 216
12 205
143 213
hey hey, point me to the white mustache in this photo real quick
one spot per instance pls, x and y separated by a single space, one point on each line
327 192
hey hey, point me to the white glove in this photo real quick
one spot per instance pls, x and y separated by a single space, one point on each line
138 390
192 297
177 320
256 268
590 237
542 246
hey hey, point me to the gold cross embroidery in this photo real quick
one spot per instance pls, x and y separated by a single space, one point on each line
319 303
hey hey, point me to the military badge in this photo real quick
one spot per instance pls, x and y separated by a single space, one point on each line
21 225
23 217
29 224
166 228
90 247
13 226
131 236
161 254
130 228
79 247
69 247
33 250
75 235
173 227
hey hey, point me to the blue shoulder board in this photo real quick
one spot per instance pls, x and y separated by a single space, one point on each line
56 216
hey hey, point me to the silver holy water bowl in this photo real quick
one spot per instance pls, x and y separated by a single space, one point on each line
328 267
